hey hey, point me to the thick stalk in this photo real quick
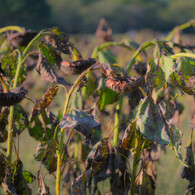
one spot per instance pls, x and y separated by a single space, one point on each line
11 115
117 120
65 112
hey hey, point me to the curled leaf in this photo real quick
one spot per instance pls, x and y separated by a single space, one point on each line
83 123
12 97
47 72
59 40
76 67
42 103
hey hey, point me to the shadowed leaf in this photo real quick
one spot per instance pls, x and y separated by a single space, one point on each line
83 123
12 97
107 57
3 122
20 120
42 128
42 103
2 167
46 153
42 188
151 123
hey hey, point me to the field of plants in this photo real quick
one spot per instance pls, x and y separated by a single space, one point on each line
97 114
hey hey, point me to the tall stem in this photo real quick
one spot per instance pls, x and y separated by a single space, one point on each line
11 115
65 112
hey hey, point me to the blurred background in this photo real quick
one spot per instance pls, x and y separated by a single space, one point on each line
82 16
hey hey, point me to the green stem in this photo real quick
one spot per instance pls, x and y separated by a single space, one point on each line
137 154
11 115
13 28
117 120
181 27
65 112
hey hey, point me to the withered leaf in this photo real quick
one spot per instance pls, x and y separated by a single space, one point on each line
43 189
47 72
46 153
128 138
76 67
59 40
2 167
3 122
12 97
42 103
83 123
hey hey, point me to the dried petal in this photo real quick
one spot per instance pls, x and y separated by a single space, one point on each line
14 96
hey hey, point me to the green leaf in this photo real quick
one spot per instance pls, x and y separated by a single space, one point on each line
107 57
167 64
51 55
179 81
186 65
151 122
28 176
83 123
155 80
46 153
9 65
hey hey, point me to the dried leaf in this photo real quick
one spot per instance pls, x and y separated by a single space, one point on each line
128 138
85 124
46 153
42 103
76 67
47 73
3 122
12 97
43 189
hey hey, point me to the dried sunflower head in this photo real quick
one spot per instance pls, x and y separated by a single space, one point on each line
76 67
12 97
118 81
21 39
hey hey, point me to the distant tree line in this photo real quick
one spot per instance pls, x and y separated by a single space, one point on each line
82 16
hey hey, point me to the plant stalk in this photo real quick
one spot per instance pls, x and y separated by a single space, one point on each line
65 112
11 115
13 28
